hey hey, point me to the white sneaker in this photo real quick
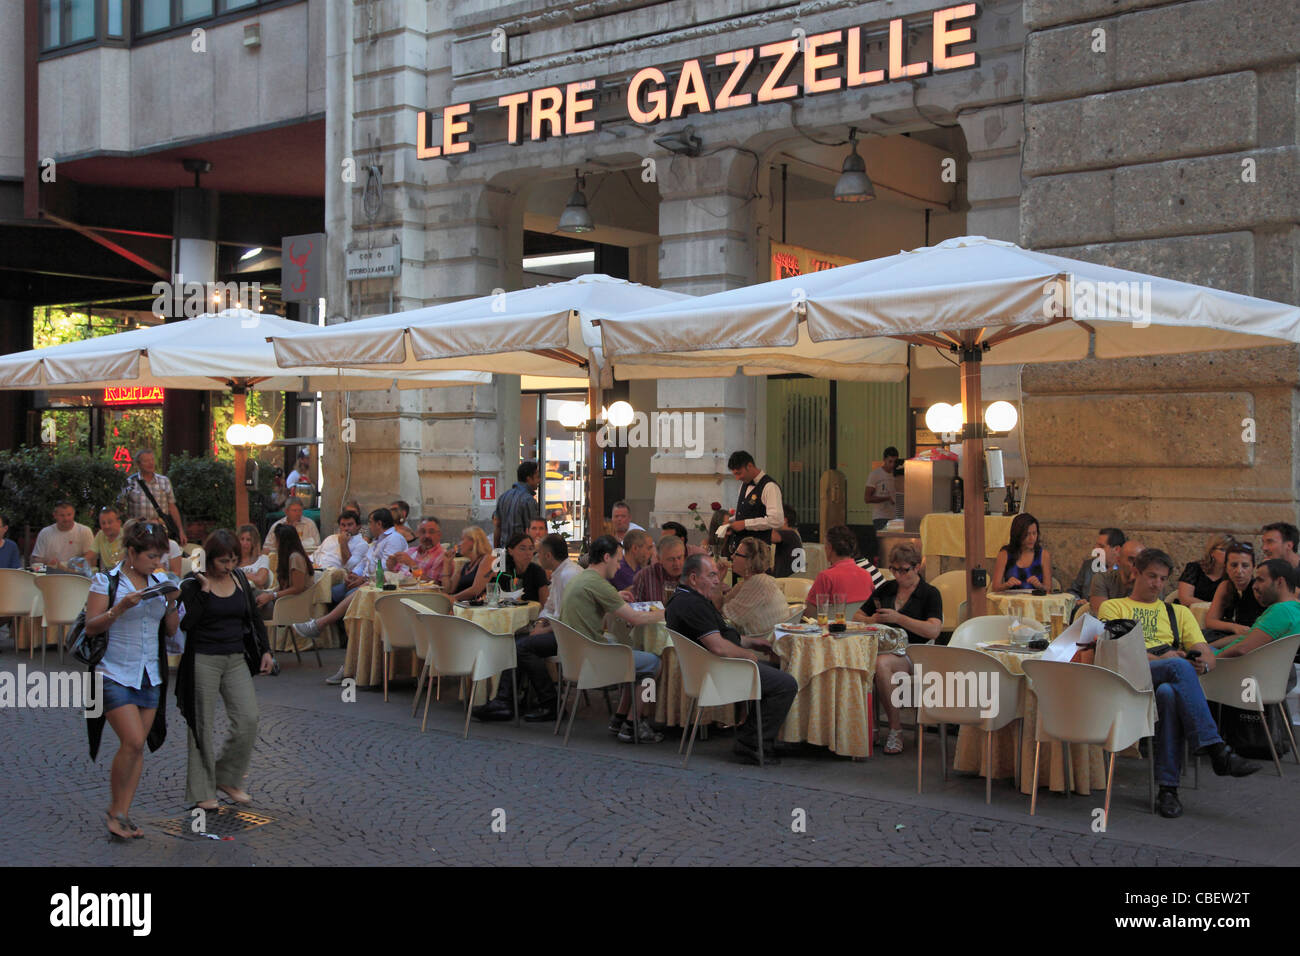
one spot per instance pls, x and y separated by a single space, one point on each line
337 677
308 629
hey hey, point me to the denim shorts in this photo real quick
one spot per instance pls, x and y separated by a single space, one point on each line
118 695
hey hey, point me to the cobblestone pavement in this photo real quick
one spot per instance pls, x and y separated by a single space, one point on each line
357 784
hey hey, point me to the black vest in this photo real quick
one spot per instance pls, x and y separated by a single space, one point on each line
750 505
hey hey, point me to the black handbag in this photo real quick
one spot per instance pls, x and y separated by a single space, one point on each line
89 649
1244 731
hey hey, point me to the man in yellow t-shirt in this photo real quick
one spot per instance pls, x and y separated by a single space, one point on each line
1180 703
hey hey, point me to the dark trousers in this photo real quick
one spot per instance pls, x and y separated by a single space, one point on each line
531 652
778 689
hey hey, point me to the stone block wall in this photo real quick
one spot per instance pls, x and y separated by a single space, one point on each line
1162 137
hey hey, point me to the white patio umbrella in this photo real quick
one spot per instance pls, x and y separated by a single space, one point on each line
983 299
225 349
545 331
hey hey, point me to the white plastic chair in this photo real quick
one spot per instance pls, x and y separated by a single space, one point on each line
795 589
439 604
991 628
796 615
291 610
461 648
595 664
712 681
952 588
397 626
934 659
1269 668
18 597
1086 704
64 596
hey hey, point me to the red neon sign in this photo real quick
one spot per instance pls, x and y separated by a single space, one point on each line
133 395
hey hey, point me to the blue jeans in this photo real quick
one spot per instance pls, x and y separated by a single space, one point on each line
1181 711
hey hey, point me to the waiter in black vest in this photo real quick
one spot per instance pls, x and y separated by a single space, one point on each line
759 509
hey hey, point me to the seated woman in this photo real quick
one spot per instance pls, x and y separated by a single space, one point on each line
472 580
1201 579
1023 563
842 576
255 565
292 569
519 555
909 603
757 604
1235 608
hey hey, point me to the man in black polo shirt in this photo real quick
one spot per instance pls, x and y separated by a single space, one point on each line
692 614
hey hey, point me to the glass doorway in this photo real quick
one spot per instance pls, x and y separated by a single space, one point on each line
562 455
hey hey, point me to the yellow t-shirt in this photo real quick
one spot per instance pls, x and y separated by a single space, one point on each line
1155 621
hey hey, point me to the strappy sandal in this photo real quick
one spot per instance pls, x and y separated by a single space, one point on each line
894 743
236 795
123 821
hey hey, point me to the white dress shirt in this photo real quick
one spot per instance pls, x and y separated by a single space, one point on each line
381 549
328 556
308 533
563 572
775 517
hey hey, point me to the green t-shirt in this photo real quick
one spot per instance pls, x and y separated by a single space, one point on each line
587 599
1154 620
1280 619
109 552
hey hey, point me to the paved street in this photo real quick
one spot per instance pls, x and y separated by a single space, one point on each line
358 784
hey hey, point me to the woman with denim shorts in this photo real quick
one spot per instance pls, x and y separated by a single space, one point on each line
134 666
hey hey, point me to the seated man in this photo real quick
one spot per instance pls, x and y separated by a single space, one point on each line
1276 584
588 597
345 549
1281 539
537 531
59 543
386 542
293 516
1180 703
1118 581
400 510
1109 540
638 552
786 541
692 614
652 583
842 576
427 553
531 644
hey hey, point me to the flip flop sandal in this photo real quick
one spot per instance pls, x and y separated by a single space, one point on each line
894 743
123 821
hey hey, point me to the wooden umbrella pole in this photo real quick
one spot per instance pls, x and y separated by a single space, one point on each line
972 477
595 470
241 461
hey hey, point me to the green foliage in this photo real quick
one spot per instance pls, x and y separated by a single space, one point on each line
223 416
205 488
35 479
57 326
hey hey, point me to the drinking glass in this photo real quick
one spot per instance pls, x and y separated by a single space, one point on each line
823 609
1058 624
837 605
494 594
669 590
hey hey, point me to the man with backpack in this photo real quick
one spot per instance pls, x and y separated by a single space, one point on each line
1171 633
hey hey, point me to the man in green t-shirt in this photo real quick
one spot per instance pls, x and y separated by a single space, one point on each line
1275 589
588 597
1181 709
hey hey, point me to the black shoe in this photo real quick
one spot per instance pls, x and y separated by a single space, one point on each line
540 714
748 754
492 710
1226 763
1168 804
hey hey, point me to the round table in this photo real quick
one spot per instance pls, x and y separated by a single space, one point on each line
1032 607
1088 761
836 674
499 620
365 656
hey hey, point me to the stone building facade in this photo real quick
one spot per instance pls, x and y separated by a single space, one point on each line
1111 130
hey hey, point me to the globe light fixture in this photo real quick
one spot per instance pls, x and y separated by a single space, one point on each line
237 434
620 414
261 434
1001 417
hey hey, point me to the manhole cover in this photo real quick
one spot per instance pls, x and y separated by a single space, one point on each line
220 822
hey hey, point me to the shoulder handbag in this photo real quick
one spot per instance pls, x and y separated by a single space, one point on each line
168 521
89 648
252 622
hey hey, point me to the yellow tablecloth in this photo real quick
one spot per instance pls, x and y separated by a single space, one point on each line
365 657
500 620
835 676
945 534
1088 760
1027 606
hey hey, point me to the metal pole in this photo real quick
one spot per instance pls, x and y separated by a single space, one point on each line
972 476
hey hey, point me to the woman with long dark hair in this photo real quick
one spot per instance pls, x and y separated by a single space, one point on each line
292 568
521 572
134 665
225 646
1023 563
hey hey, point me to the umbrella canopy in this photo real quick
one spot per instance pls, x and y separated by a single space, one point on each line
984 299
1018 306
545 331
218 349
